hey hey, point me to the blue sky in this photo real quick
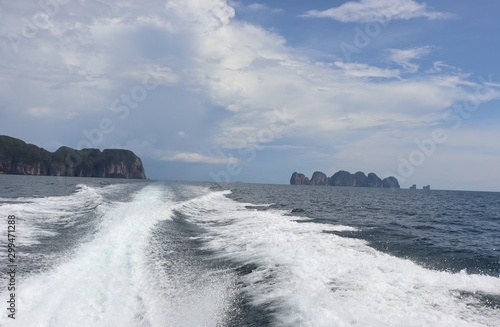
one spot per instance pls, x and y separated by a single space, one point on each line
253 90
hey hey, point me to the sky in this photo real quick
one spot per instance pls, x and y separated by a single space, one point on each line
251 91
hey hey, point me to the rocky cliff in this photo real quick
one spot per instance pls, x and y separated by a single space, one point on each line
390 182
318 178
374 180
17 157
299 179
345 178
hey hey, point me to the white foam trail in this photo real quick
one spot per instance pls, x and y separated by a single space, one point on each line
311 278
112 280
34 215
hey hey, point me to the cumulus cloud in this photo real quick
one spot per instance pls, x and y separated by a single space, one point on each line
254 80
365 11
222 83
248 71
201 15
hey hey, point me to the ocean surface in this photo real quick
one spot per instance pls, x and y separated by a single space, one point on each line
96 252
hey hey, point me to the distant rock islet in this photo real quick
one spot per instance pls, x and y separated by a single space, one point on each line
345 178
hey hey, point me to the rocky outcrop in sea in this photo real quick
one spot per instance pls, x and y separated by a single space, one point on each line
19 158
345 178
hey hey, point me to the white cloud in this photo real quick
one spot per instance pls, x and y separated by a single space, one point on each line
404 57
42 112
363 70
243 68
201 15
256 6
225 84
440 66
365 11
321 99
262 7
200 158
253 7
284 147
162 75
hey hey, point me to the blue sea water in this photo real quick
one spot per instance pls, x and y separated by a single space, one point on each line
95 252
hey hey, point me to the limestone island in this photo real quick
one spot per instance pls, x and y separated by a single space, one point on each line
19 158
345 178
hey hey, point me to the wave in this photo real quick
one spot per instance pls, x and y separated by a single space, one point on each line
177 255
305 275
117 277
41 217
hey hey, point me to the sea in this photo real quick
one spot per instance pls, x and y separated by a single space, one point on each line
110 252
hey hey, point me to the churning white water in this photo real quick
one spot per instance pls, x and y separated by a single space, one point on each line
144 261
309 277
112 278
